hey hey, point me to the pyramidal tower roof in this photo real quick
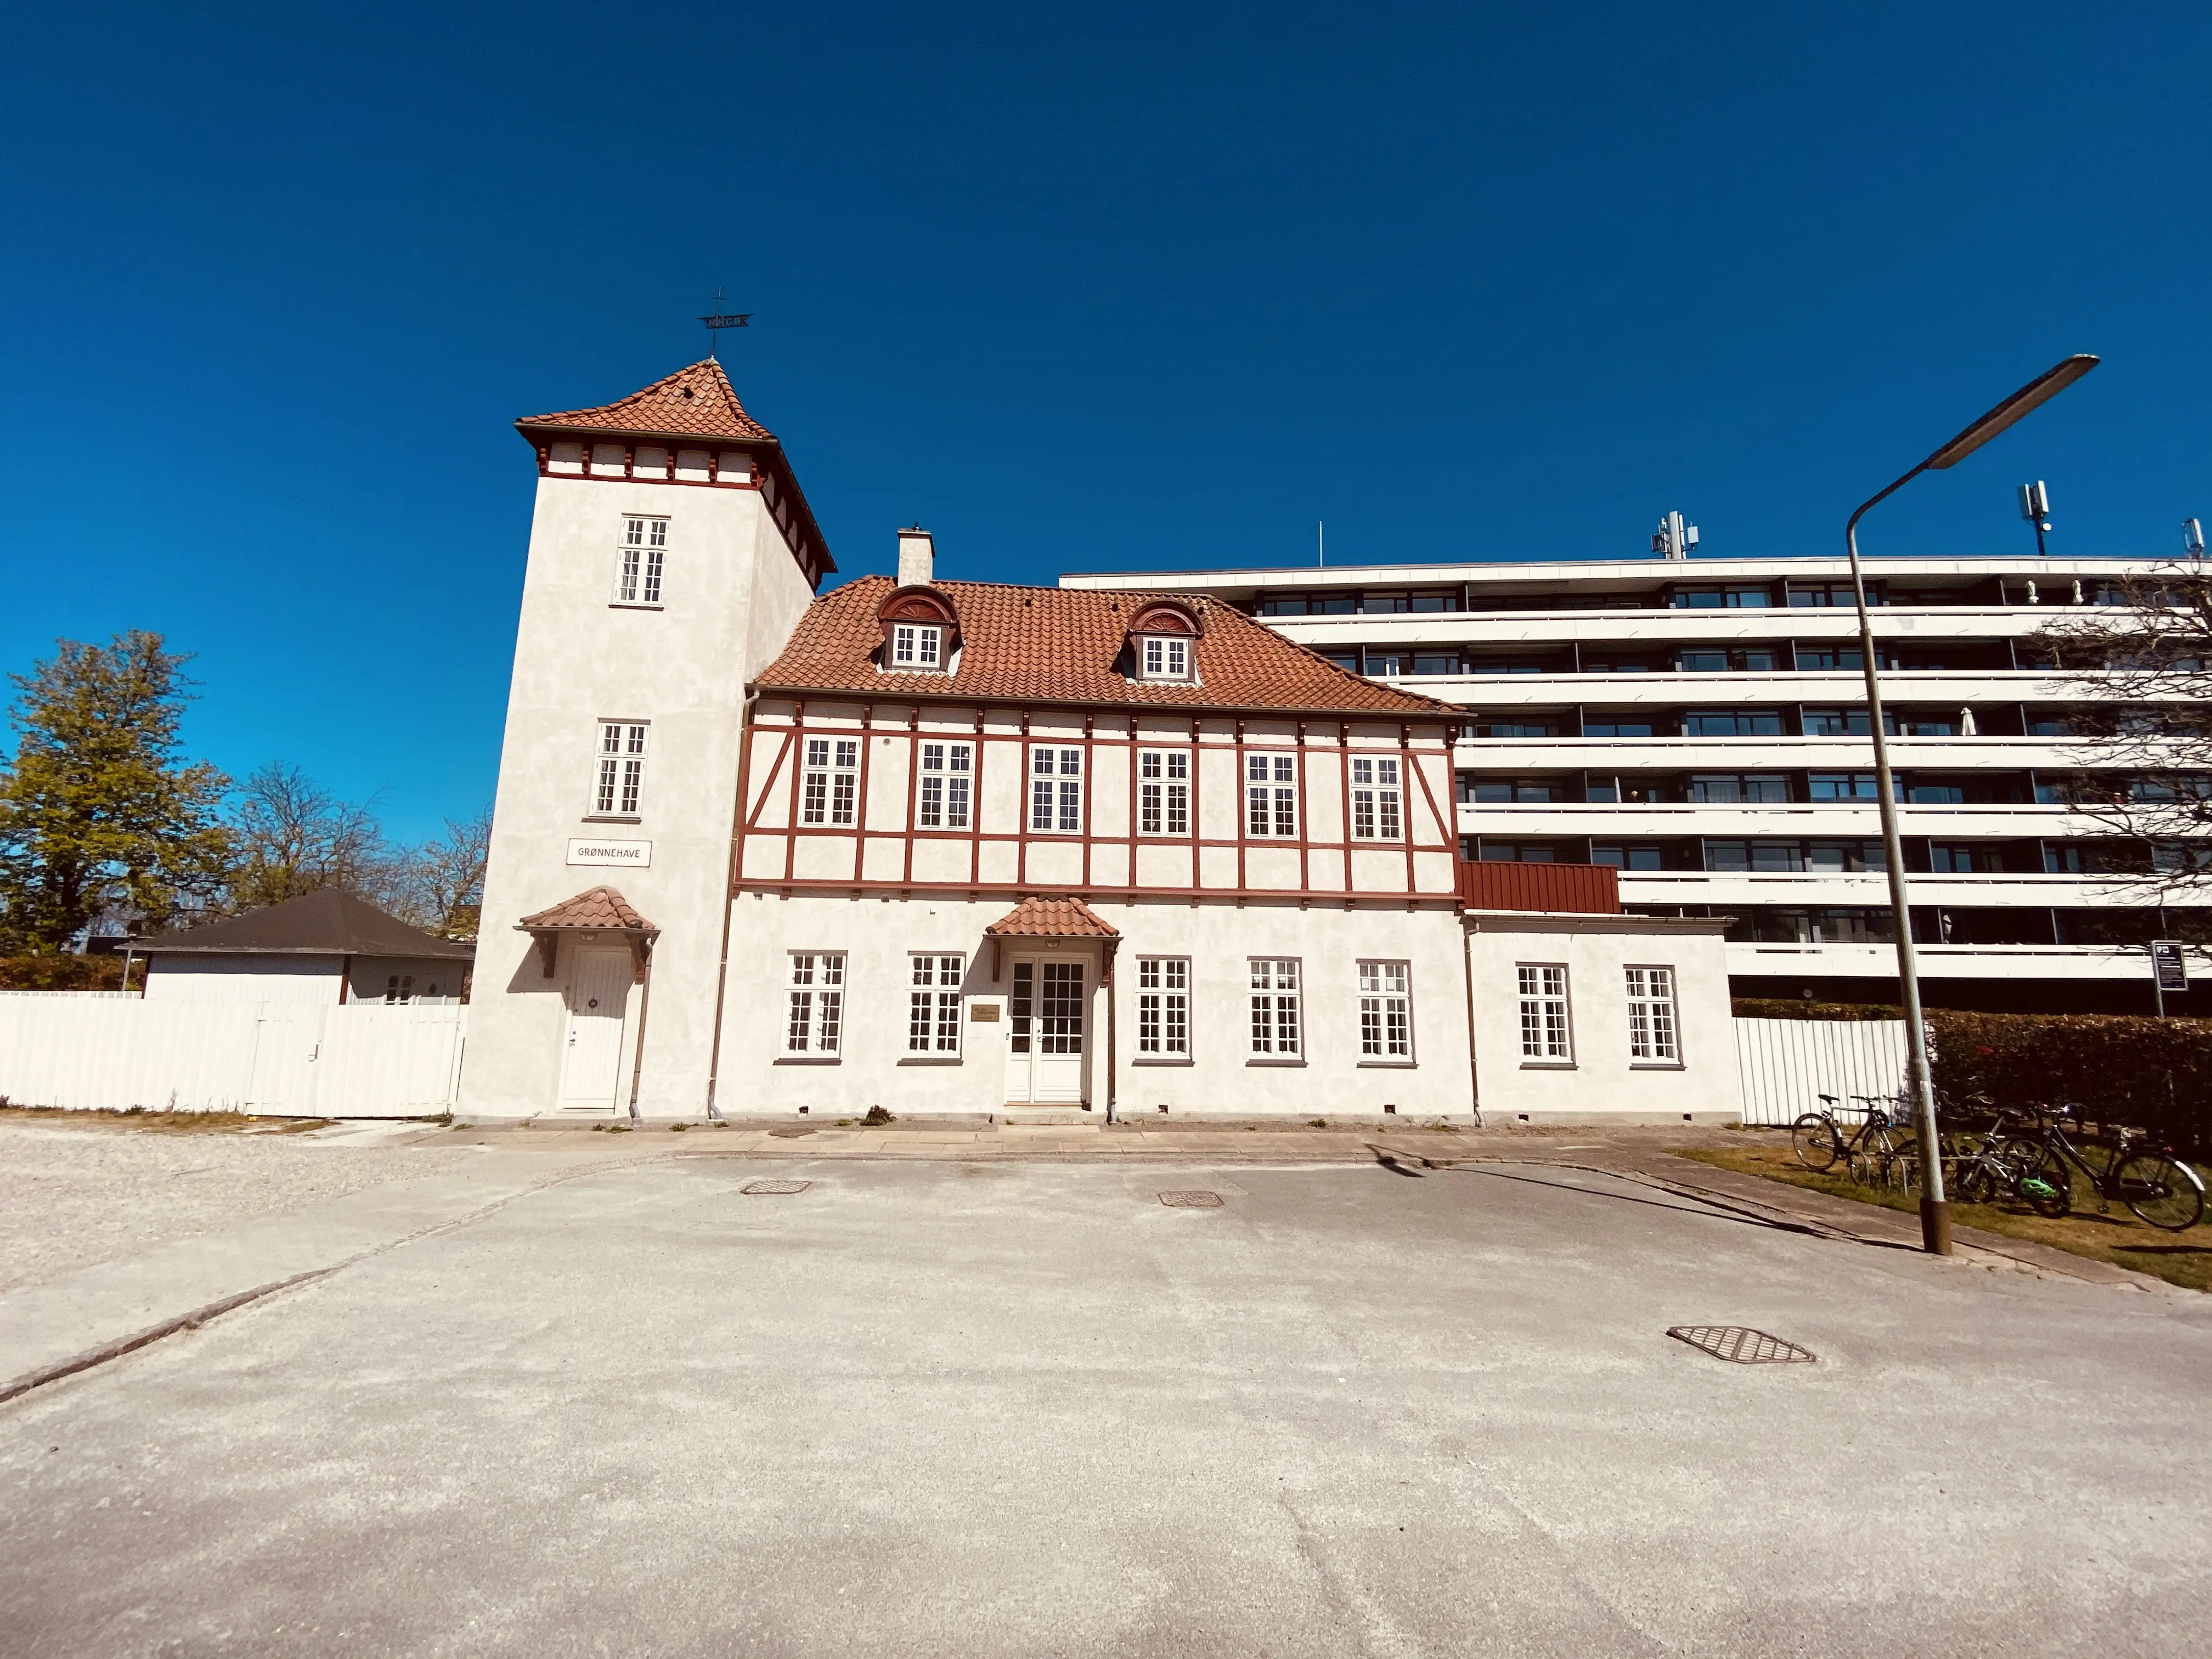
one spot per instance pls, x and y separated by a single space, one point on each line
698 402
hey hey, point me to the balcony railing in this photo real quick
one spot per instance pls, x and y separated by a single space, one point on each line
1580 889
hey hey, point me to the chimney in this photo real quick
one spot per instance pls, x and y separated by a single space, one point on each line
917 565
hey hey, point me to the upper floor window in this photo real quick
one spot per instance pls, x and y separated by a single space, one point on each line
1831 595
1163 792
1731 596
622 768
1731 787
643 562
1056 791
1166 657
917 648
831 784
1842 786
1271 794
1732 723
1376 799
1835 722
947 771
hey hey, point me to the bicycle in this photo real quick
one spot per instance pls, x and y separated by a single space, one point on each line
2157 1186
1868 1154
1984 1165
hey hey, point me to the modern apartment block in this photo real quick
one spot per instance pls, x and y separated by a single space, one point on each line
1700 725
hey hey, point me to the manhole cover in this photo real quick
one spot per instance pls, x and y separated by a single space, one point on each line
1191 1200
1739 1344
793 1131
764 1189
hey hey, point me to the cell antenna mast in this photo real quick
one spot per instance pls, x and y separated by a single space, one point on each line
1321 544
720 320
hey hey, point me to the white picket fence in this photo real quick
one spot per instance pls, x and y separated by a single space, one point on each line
90 1052
1787 1065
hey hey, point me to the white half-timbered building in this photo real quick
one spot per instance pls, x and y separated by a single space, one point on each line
954 847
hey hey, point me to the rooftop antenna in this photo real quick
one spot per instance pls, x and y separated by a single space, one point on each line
1674 538
720 321
1321 544
2035 508
2192 539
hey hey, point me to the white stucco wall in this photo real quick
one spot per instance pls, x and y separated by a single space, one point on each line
732 594
1602 1081
758 1078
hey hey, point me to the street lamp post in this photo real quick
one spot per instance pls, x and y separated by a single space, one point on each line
1934 1208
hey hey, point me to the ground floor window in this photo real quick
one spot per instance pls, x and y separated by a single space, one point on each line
1276 1028
1385 1011
1545 1034
817 1002
1653 1031
1164 1006
932 1025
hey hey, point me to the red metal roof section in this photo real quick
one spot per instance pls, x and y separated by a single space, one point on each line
1063 645
1053 918
698 402
600 909
1578 888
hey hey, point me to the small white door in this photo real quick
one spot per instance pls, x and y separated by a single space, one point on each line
597 995
1045 1015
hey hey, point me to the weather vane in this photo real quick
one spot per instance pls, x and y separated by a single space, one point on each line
721 320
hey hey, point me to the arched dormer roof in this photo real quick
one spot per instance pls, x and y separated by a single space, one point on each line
929 607
1165 617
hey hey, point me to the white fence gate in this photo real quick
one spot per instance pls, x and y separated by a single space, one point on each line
1787 1065
94 1052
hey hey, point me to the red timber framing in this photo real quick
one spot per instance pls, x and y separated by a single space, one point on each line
788 728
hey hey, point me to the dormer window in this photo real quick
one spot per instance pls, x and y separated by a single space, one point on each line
917 648
1164 642
1166 657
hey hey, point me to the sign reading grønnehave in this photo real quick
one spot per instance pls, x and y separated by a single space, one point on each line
606 854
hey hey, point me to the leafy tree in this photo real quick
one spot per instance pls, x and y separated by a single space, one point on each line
96 812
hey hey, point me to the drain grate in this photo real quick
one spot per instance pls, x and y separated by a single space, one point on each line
764 1189
1739 1344
1192 1200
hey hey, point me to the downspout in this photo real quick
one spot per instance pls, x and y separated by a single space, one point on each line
1466 973
729 898
1111 946
644 1008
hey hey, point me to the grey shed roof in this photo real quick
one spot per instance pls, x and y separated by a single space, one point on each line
324 923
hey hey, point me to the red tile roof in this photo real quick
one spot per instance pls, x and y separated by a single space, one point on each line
1053 918
698 402
1061 645
600 907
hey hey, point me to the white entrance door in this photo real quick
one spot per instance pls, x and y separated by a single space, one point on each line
1044 1032
596 995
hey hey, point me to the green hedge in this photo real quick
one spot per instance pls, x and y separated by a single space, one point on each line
61 973
2154 1074
1786 1008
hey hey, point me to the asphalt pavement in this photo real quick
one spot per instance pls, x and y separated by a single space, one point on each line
964 1407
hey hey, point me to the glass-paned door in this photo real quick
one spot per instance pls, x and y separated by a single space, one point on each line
1046 1012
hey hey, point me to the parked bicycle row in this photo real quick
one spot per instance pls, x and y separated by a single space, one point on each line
2044 1157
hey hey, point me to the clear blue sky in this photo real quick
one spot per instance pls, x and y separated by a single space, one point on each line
1078 287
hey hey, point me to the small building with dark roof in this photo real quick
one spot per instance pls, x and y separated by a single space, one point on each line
323 946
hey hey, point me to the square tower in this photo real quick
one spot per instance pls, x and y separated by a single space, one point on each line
671 554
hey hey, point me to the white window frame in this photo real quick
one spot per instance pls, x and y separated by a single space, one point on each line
944 797
1378 799
814 1013
1271 794
1163 792
1055 790
1547 1014
618 772
1164 657
829 782
934 1005
1655 1016
1162 1012
1276 1031
917 648
1386 1012
642 562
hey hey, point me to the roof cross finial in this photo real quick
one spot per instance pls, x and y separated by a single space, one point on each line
720 320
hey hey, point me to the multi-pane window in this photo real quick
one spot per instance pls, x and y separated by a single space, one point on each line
1385 1011
917 648
932 1022
1271 794
644 555
622 768
1164 1006
1056 791
1377 811
1545 1034
947 775
1276 1033
817 1015
1654 1032
1166 658
1163 792
831 782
